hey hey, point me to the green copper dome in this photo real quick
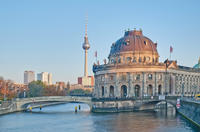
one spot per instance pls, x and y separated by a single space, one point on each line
197 65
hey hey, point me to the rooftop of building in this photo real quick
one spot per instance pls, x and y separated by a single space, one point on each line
134 41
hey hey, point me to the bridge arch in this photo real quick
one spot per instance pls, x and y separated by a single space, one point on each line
23 103
153 104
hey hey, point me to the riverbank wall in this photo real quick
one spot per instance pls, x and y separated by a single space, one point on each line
190 109
123 105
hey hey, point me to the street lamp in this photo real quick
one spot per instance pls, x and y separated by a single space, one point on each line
24 93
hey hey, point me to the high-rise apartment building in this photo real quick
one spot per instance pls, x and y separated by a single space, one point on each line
29 76
45 77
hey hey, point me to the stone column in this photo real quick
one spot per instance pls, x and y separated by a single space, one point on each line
117 82
131 86
155 89
144 89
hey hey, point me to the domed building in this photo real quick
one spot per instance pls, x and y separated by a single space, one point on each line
135 72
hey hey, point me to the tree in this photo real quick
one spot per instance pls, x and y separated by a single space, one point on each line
68 85
36 89
80 92
52 91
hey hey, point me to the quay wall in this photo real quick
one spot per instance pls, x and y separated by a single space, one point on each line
190 109
124 105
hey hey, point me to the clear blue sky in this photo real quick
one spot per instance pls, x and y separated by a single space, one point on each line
47 35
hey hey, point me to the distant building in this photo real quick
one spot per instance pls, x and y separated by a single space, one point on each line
80 86
29 76
45 77
50 79
86 81
60 86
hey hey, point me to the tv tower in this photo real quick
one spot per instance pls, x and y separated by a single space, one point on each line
86 46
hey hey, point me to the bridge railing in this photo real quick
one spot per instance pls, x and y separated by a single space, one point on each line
125 98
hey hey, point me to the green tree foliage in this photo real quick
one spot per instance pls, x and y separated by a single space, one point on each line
68 85
80 92
36 89
53 91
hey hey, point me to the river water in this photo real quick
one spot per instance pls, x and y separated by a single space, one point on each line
62 118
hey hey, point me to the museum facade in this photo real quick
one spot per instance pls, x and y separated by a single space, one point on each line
134 71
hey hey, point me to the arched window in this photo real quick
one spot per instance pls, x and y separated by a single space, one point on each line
140 59
160 89
123 91
144 59
137 91
112 61
137 77
134 59
102 91
128 59
111 91
150 90
150 76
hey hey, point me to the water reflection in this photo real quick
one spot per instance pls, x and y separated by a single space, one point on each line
62 118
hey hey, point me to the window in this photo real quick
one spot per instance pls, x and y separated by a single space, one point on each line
145 42
140 59
119 60
134 59
137 77
128 59
127 42
147 58
102 89
144 59
111 78
150 76
123 77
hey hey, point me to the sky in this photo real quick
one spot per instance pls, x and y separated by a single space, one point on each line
47 35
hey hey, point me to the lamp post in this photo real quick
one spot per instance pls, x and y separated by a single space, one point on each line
166 78
24 93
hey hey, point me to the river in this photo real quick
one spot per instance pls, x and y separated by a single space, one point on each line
62 118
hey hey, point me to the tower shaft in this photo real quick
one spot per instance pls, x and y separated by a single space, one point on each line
86 66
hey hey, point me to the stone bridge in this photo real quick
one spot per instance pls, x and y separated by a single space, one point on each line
21 104
96 105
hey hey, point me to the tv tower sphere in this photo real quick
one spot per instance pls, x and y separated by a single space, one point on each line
86 44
